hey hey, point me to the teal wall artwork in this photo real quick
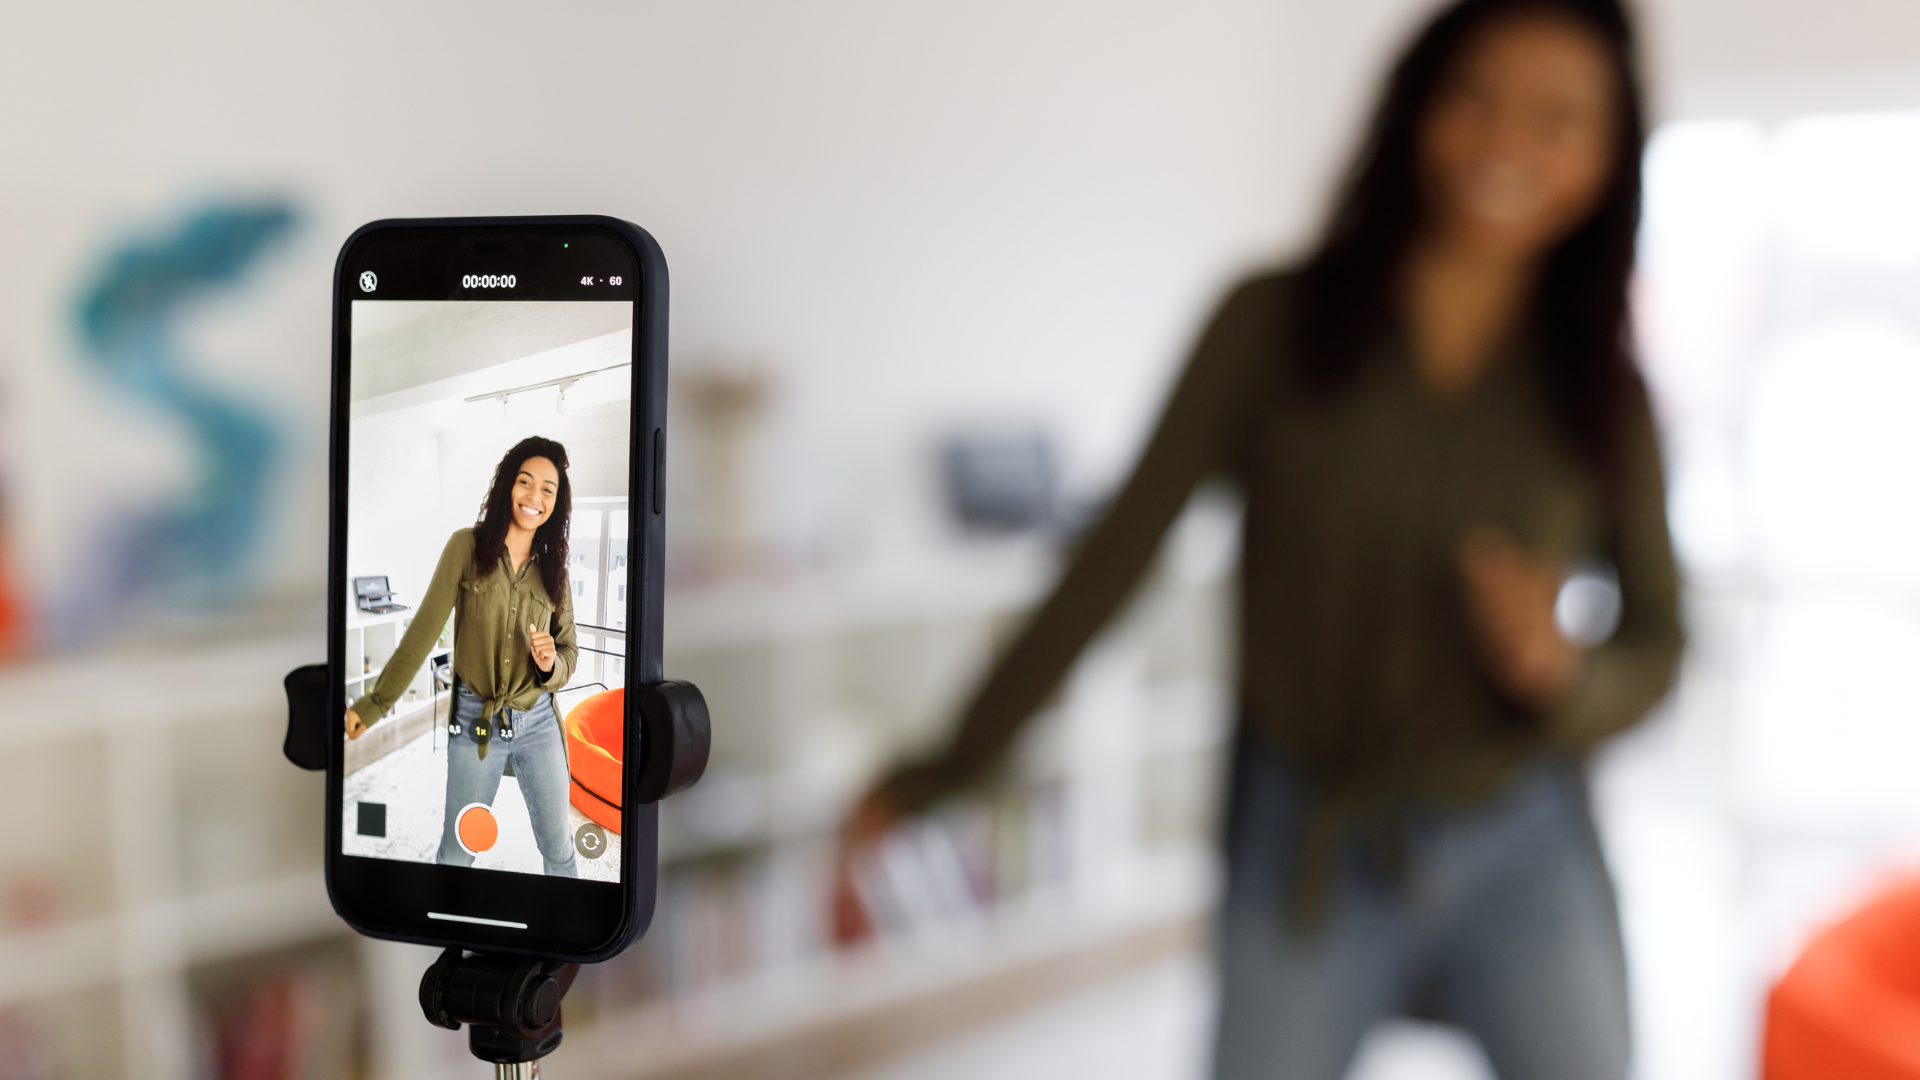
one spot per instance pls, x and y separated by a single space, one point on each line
194 552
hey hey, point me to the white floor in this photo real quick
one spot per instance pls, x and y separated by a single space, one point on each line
412 782
1154 1026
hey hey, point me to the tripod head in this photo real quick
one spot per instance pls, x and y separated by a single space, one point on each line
511 1005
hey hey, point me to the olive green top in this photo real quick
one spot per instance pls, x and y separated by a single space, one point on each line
491 653
1357 661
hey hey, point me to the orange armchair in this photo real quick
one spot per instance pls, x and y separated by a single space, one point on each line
1849 1007
595 737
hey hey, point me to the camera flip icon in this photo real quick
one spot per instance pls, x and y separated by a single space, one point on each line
590 840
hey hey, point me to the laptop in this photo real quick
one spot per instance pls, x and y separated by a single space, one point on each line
374 596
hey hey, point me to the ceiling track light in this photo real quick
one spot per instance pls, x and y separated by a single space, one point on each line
562 382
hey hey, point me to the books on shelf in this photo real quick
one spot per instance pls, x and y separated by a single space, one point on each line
764 912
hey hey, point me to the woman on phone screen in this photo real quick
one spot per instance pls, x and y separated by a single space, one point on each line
1433 419
505 583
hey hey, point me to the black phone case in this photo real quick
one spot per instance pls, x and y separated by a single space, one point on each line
646 475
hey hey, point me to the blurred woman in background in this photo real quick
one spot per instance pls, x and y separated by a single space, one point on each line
1432 419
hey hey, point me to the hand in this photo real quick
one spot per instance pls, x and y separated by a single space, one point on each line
542 642
1510 599
870 820
355 728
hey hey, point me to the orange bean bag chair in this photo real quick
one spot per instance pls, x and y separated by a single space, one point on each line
595 738
1849 1007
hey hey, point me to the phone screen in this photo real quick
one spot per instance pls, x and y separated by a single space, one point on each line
488 571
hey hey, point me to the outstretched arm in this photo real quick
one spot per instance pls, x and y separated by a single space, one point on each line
428 621
1207 412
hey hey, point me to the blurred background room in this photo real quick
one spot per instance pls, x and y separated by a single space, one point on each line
934 268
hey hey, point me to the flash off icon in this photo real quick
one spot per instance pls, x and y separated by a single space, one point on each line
368 282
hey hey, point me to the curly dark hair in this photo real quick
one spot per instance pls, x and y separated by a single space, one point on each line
496 510
1579 313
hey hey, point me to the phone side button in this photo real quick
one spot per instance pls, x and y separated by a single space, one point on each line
659 470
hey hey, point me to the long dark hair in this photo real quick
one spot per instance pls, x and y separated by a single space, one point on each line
1579 306
549 540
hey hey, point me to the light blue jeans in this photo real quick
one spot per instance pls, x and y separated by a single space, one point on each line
538 751
1501 920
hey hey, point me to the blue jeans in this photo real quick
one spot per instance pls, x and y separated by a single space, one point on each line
538 750
1501 920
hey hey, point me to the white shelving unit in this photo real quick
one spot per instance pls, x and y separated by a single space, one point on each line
870 1003
373 639
815 683
188 840
188 844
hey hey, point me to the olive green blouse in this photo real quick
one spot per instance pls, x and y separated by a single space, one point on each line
1356 657
491 653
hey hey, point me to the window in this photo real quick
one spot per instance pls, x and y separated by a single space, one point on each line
1780 320
597 572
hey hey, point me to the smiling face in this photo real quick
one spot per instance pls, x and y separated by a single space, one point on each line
1519 141
535 489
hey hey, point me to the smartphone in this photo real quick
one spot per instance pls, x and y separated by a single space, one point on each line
498 429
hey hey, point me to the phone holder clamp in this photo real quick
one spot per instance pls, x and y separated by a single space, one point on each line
674 725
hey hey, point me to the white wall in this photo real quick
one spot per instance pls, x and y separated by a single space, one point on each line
413 487
910 214
1710 40
398 522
